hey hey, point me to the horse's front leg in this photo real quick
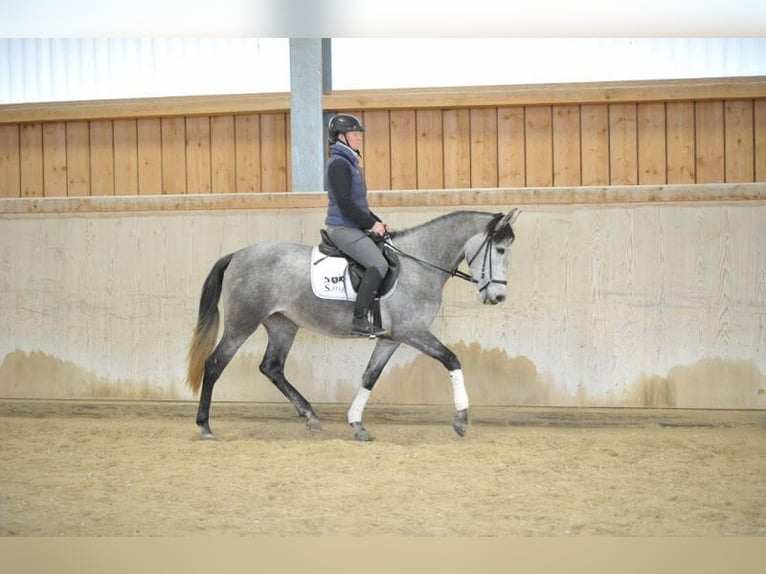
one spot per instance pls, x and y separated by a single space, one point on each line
384 348
427 343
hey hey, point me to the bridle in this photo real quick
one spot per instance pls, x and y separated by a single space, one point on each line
486 264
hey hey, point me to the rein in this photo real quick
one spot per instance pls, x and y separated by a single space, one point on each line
486 245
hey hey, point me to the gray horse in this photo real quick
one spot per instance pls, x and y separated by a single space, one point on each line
268 284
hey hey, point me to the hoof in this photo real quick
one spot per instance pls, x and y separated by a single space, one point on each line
205 432
460 422
313 424
360 433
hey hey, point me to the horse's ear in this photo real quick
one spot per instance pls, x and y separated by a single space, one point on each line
510 217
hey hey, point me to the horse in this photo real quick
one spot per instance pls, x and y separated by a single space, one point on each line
268 283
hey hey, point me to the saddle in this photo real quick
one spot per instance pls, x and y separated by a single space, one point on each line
355 270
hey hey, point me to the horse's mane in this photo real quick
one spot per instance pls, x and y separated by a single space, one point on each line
501 234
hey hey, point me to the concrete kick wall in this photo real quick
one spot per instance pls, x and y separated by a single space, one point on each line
660 305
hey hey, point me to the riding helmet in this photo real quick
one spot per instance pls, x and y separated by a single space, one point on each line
342 123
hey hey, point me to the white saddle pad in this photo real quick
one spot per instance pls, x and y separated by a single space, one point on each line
330 278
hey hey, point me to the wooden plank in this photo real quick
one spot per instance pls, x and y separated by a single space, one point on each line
10 161
31 161
594 135
510 147
223 154
483 147
403 150
430 154
78 158
54 160
623 146
539 146
652 160
739 142
273 153
173 155
566 146
709 142
548 94
125 157
759 122
725 193
368 100
149 135
376 158
681 166
289 155
198 170
456 126
142 108
248 153
102 157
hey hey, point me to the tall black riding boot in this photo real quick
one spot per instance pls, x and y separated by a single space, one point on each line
365 296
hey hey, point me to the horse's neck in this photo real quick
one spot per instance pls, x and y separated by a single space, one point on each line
442 240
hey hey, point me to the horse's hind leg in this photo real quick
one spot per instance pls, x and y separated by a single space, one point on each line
282 331
214 366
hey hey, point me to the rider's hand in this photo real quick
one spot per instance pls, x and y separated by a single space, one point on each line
378 229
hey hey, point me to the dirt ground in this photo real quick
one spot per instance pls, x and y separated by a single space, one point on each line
107 468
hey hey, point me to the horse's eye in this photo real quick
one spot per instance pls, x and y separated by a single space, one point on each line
500 250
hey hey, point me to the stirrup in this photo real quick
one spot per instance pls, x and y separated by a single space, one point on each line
363 327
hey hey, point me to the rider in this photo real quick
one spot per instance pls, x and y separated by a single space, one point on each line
349 219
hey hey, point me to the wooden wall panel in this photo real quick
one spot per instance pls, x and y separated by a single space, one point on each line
595 141
78 159
273 153
149 136
623 144
511 153
594 133
376 155
457 159
223 153
10 162
173 155
289 155
403 150
566 146
31 159
739 141
759 127
430 152
101 157
125 157
681 147
248 153
54 183
709 141
539 144
652 156
483 147
198 178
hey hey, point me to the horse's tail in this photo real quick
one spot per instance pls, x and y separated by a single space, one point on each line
205 333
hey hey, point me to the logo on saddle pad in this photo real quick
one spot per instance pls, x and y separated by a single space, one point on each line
330 277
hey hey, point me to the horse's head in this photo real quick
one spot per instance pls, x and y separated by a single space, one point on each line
488 254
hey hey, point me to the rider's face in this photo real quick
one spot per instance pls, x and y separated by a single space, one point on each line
354 140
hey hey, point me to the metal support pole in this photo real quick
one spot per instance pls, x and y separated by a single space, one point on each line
307 129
